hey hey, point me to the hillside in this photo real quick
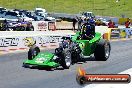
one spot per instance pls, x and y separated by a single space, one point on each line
99 7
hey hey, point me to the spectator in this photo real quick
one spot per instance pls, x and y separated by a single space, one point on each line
79 23
5 25
29 27
111 24
74 23
127 23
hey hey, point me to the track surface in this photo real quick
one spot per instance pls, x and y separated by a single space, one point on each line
13 75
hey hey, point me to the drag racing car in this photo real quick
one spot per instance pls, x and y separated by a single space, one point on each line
71 50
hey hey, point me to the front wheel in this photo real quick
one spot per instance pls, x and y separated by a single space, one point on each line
102 50
66 58
33 51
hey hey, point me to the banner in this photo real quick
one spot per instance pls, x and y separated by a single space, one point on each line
51 26
115 33
40 25
23 42
123 33
128 32
5 42
44 25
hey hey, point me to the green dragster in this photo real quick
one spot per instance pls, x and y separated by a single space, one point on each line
70 50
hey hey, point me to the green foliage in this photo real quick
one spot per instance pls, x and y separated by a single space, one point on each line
99 7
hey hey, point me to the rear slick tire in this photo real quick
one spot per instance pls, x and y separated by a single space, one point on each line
102 50
33 51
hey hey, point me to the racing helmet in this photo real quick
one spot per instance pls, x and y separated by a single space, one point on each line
92 21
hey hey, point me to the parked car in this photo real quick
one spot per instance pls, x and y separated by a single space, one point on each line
46 17
2 9
32 15
15 16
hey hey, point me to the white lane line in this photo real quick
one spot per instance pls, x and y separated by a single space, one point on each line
129 71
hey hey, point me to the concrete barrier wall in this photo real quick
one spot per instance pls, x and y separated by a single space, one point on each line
15 40
128 32
101 29
18 43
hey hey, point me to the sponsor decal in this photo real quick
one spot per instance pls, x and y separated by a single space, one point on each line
115 33
42 26
40 60
123 33
29 41
5 42
54 39
49 39
51 25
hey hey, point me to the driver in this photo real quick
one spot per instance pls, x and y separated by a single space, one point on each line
88 30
